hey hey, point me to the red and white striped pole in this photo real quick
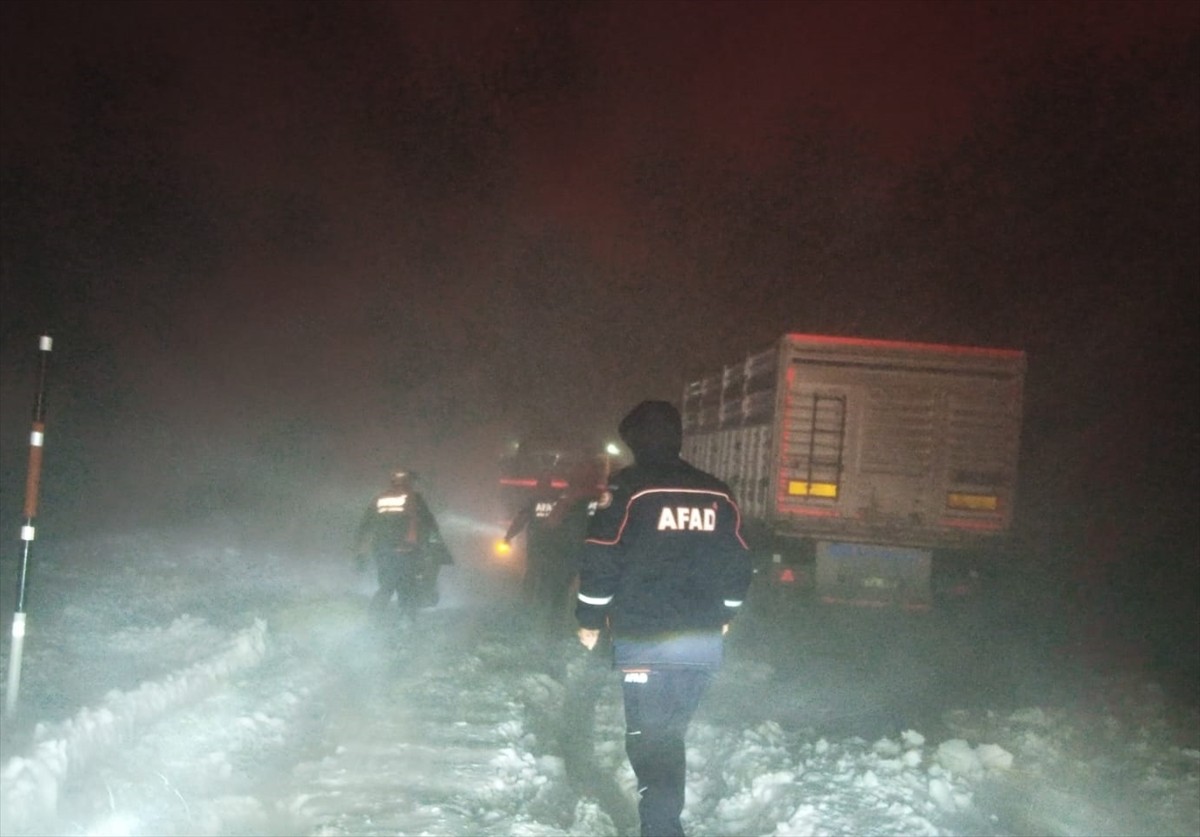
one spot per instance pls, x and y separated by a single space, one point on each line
33 479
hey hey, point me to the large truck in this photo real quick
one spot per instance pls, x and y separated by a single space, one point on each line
870 472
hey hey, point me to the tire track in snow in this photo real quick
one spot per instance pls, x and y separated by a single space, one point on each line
425 733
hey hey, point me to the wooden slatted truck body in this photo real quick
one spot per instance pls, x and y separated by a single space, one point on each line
856 461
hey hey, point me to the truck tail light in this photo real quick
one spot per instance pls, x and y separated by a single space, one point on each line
963 501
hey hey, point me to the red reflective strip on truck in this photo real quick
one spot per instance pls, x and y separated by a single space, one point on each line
900 344
528 483
781 491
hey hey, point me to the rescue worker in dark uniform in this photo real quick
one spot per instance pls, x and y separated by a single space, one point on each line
534 520
400 533
664 569
555 524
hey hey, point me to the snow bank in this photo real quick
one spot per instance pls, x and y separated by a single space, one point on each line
826 787
29 785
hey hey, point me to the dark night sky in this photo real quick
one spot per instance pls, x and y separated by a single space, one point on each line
283 245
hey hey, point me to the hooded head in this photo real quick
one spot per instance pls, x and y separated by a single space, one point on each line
653 430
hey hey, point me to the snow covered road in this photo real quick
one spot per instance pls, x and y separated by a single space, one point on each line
180 690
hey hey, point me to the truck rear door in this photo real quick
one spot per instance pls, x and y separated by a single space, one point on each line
897 443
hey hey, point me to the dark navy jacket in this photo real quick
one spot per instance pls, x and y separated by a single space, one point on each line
664 564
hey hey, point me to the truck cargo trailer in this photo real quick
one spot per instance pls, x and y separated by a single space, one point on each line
860 463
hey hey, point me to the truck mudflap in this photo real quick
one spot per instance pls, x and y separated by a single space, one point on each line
871 575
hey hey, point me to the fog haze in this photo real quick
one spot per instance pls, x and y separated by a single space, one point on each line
283 248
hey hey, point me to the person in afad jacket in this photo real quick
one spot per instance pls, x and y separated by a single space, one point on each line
537 521
555 523
400 533
665 569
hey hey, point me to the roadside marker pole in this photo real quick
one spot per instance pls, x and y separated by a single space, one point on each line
33 479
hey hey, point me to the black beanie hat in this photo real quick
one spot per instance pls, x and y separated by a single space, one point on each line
653 430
